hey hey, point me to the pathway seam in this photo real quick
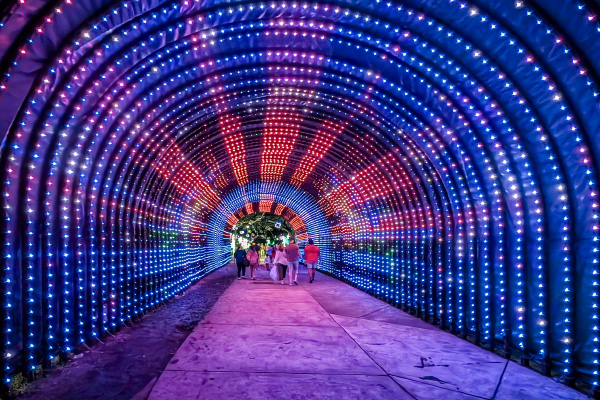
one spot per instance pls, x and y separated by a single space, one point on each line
359 346
274 372
500 380
371 312
441 387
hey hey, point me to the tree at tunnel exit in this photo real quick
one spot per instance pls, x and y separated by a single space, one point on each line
263 228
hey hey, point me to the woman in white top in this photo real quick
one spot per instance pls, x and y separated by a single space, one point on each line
280 261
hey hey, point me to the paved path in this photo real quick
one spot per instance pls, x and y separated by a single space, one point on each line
327 340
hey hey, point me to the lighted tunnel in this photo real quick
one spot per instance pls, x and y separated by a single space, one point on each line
444 154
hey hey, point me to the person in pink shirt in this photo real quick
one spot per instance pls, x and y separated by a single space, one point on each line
252 257
312 254
292 253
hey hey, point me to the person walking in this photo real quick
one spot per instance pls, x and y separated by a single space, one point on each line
312 255
280 262
252 257
239 256
272 252
268 258
292 253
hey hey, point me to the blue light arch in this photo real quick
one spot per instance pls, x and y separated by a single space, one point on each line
302 204
449 149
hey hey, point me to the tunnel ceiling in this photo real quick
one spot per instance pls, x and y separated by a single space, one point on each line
444 155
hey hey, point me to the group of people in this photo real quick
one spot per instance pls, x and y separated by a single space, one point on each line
284 259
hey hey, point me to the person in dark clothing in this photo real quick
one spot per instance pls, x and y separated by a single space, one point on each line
239 256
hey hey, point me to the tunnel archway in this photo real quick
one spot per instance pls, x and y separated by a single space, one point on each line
444 154
298 207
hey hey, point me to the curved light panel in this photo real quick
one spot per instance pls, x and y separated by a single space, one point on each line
443 153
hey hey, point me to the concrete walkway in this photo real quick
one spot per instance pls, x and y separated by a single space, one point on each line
327 340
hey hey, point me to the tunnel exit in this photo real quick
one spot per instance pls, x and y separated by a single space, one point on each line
443 155
261 228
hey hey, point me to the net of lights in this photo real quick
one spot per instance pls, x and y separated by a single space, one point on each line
263 227
444 155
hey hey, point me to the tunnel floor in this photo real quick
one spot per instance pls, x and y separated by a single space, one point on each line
328 340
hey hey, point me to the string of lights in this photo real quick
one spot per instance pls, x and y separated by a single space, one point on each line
444 156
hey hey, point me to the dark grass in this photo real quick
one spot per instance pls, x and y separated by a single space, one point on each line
126 363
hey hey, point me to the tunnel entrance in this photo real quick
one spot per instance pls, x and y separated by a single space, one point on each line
262 229
444 156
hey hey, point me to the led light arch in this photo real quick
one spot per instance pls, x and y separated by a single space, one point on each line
280 198
446 154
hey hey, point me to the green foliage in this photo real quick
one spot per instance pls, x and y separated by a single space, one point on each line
58 360
17 383
262 226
